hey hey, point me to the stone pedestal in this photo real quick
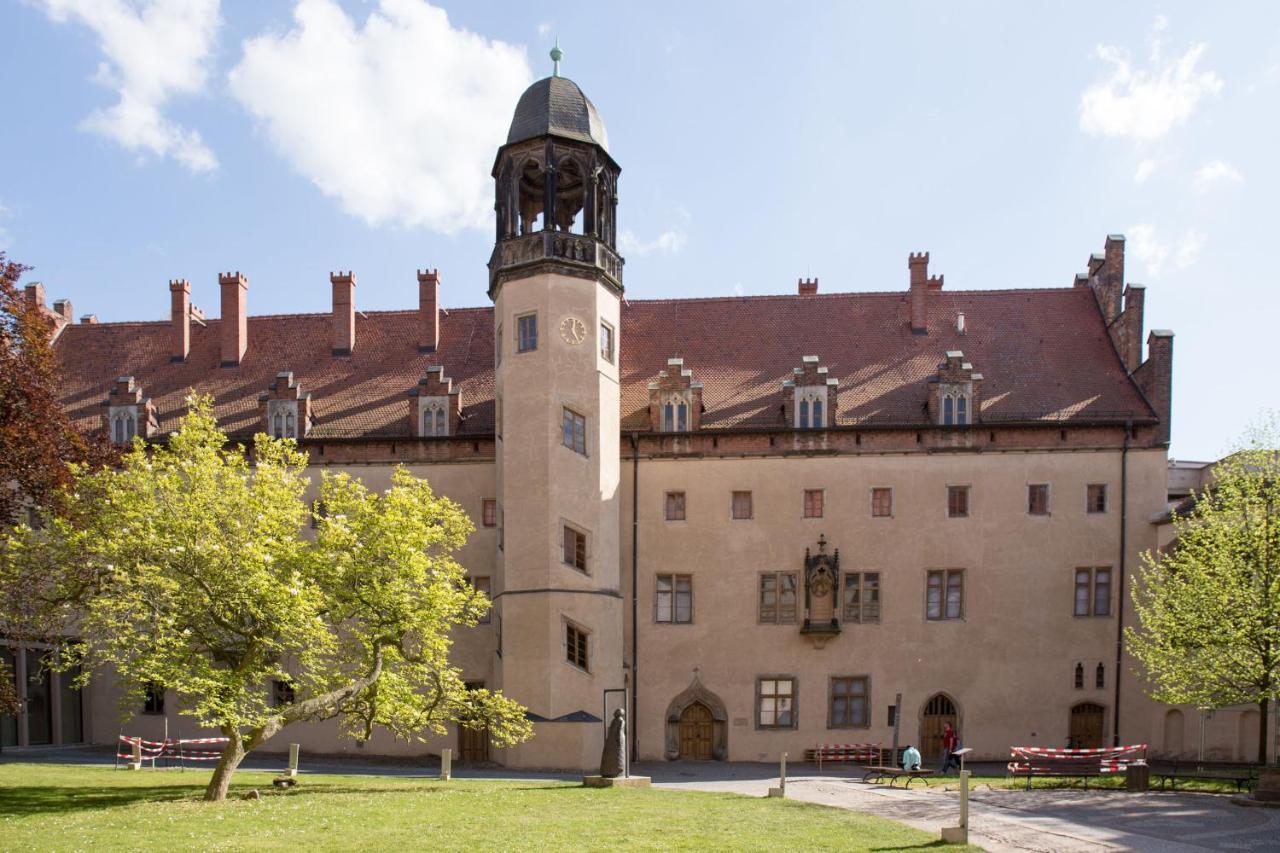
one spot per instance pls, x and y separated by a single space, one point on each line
616 781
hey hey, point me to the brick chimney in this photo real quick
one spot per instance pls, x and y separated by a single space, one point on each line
35 295
1134 306
62 308
918 263
179 318
235 322
1155 378
428 310
344 312
807 286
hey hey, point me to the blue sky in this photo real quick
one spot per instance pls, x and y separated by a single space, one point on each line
177 138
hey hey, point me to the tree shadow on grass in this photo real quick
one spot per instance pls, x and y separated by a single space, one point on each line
20 801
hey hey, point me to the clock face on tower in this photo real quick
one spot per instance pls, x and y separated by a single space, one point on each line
573 330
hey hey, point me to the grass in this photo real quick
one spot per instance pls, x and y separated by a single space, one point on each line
1101 783
96 808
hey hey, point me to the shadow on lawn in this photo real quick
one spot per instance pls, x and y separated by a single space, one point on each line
56 799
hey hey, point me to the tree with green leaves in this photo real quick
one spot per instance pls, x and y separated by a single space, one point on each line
186 568
1208 605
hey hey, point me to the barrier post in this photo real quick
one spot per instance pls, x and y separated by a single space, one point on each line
781 790
960 834
135 760
292 770
446 764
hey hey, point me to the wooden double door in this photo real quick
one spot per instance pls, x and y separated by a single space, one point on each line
473 743
697 733
1086 730
938 711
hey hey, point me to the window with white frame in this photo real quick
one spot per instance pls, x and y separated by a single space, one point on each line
811 408
433 416
282 419
124 424
675 412
954 410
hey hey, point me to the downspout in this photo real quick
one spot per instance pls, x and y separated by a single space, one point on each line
1124 518
635 586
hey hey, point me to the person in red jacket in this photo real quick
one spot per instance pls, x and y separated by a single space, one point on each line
950 743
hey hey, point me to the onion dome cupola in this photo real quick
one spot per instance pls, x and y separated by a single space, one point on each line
555 188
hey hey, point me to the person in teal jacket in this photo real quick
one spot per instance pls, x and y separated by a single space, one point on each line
911 758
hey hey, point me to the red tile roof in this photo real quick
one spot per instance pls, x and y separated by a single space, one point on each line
1044 354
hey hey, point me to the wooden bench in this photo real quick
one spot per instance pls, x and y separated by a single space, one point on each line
1073 763
877 774
1245 777
859 753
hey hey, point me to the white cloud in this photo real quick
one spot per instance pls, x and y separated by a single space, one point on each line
1146 103
738 289
398 118
1145 168
1216 173
1157 255
544 29
667 243
154 50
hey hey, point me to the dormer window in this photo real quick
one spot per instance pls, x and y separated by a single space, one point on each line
434 414
955 409
675 413
282 419
124 424
811 408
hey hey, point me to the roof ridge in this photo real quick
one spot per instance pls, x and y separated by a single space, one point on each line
846 293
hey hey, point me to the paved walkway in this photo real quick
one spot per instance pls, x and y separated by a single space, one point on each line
1043 821
1046 821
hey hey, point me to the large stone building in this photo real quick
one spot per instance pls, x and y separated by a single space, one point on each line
768 517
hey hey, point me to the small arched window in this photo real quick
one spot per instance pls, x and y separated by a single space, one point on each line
124 426
1079 676
811 408
962 410
441 424
675 414
1100 677
804 414
948 410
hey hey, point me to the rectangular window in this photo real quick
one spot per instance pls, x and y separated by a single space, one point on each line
813 503
862 596
775 698
674 599
489 513
527 333
498 348
281 693
575 646
153 699
606 342
848 703
881 503
742 505
1038 499
1093 591
945 594
574 428
575 549
957 501
778 598
481 584
674 506
1097 497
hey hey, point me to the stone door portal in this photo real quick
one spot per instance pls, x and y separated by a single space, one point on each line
1086 726
939 711
697 733
473 743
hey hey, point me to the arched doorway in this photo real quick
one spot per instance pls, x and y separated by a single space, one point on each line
938 711
697 725
1173 732
1085 731
697 733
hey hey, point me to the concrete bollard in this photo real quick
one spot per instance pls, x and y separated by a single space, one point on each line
781 790
293 761
135 761
960 834
446 764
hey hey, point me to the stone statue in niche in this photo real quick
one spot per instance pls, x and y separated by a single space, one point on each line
614 757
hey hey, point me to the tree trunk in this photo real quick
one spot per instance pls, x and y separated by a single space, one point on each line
1263 706
232 755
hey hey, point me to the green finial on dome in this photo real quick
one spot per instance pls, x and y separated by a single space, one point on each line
556 55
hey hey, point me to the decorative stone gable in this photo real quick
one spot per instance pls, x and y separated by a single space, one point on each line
435 406
127 413
809 396
675 399
955 397
284 411
821 593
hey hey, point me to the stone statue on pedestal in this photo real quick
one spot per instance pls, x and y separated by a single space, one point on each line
614 757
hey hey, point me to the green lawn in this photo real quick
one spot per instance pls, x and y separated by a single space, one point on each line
96 808
1111 783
